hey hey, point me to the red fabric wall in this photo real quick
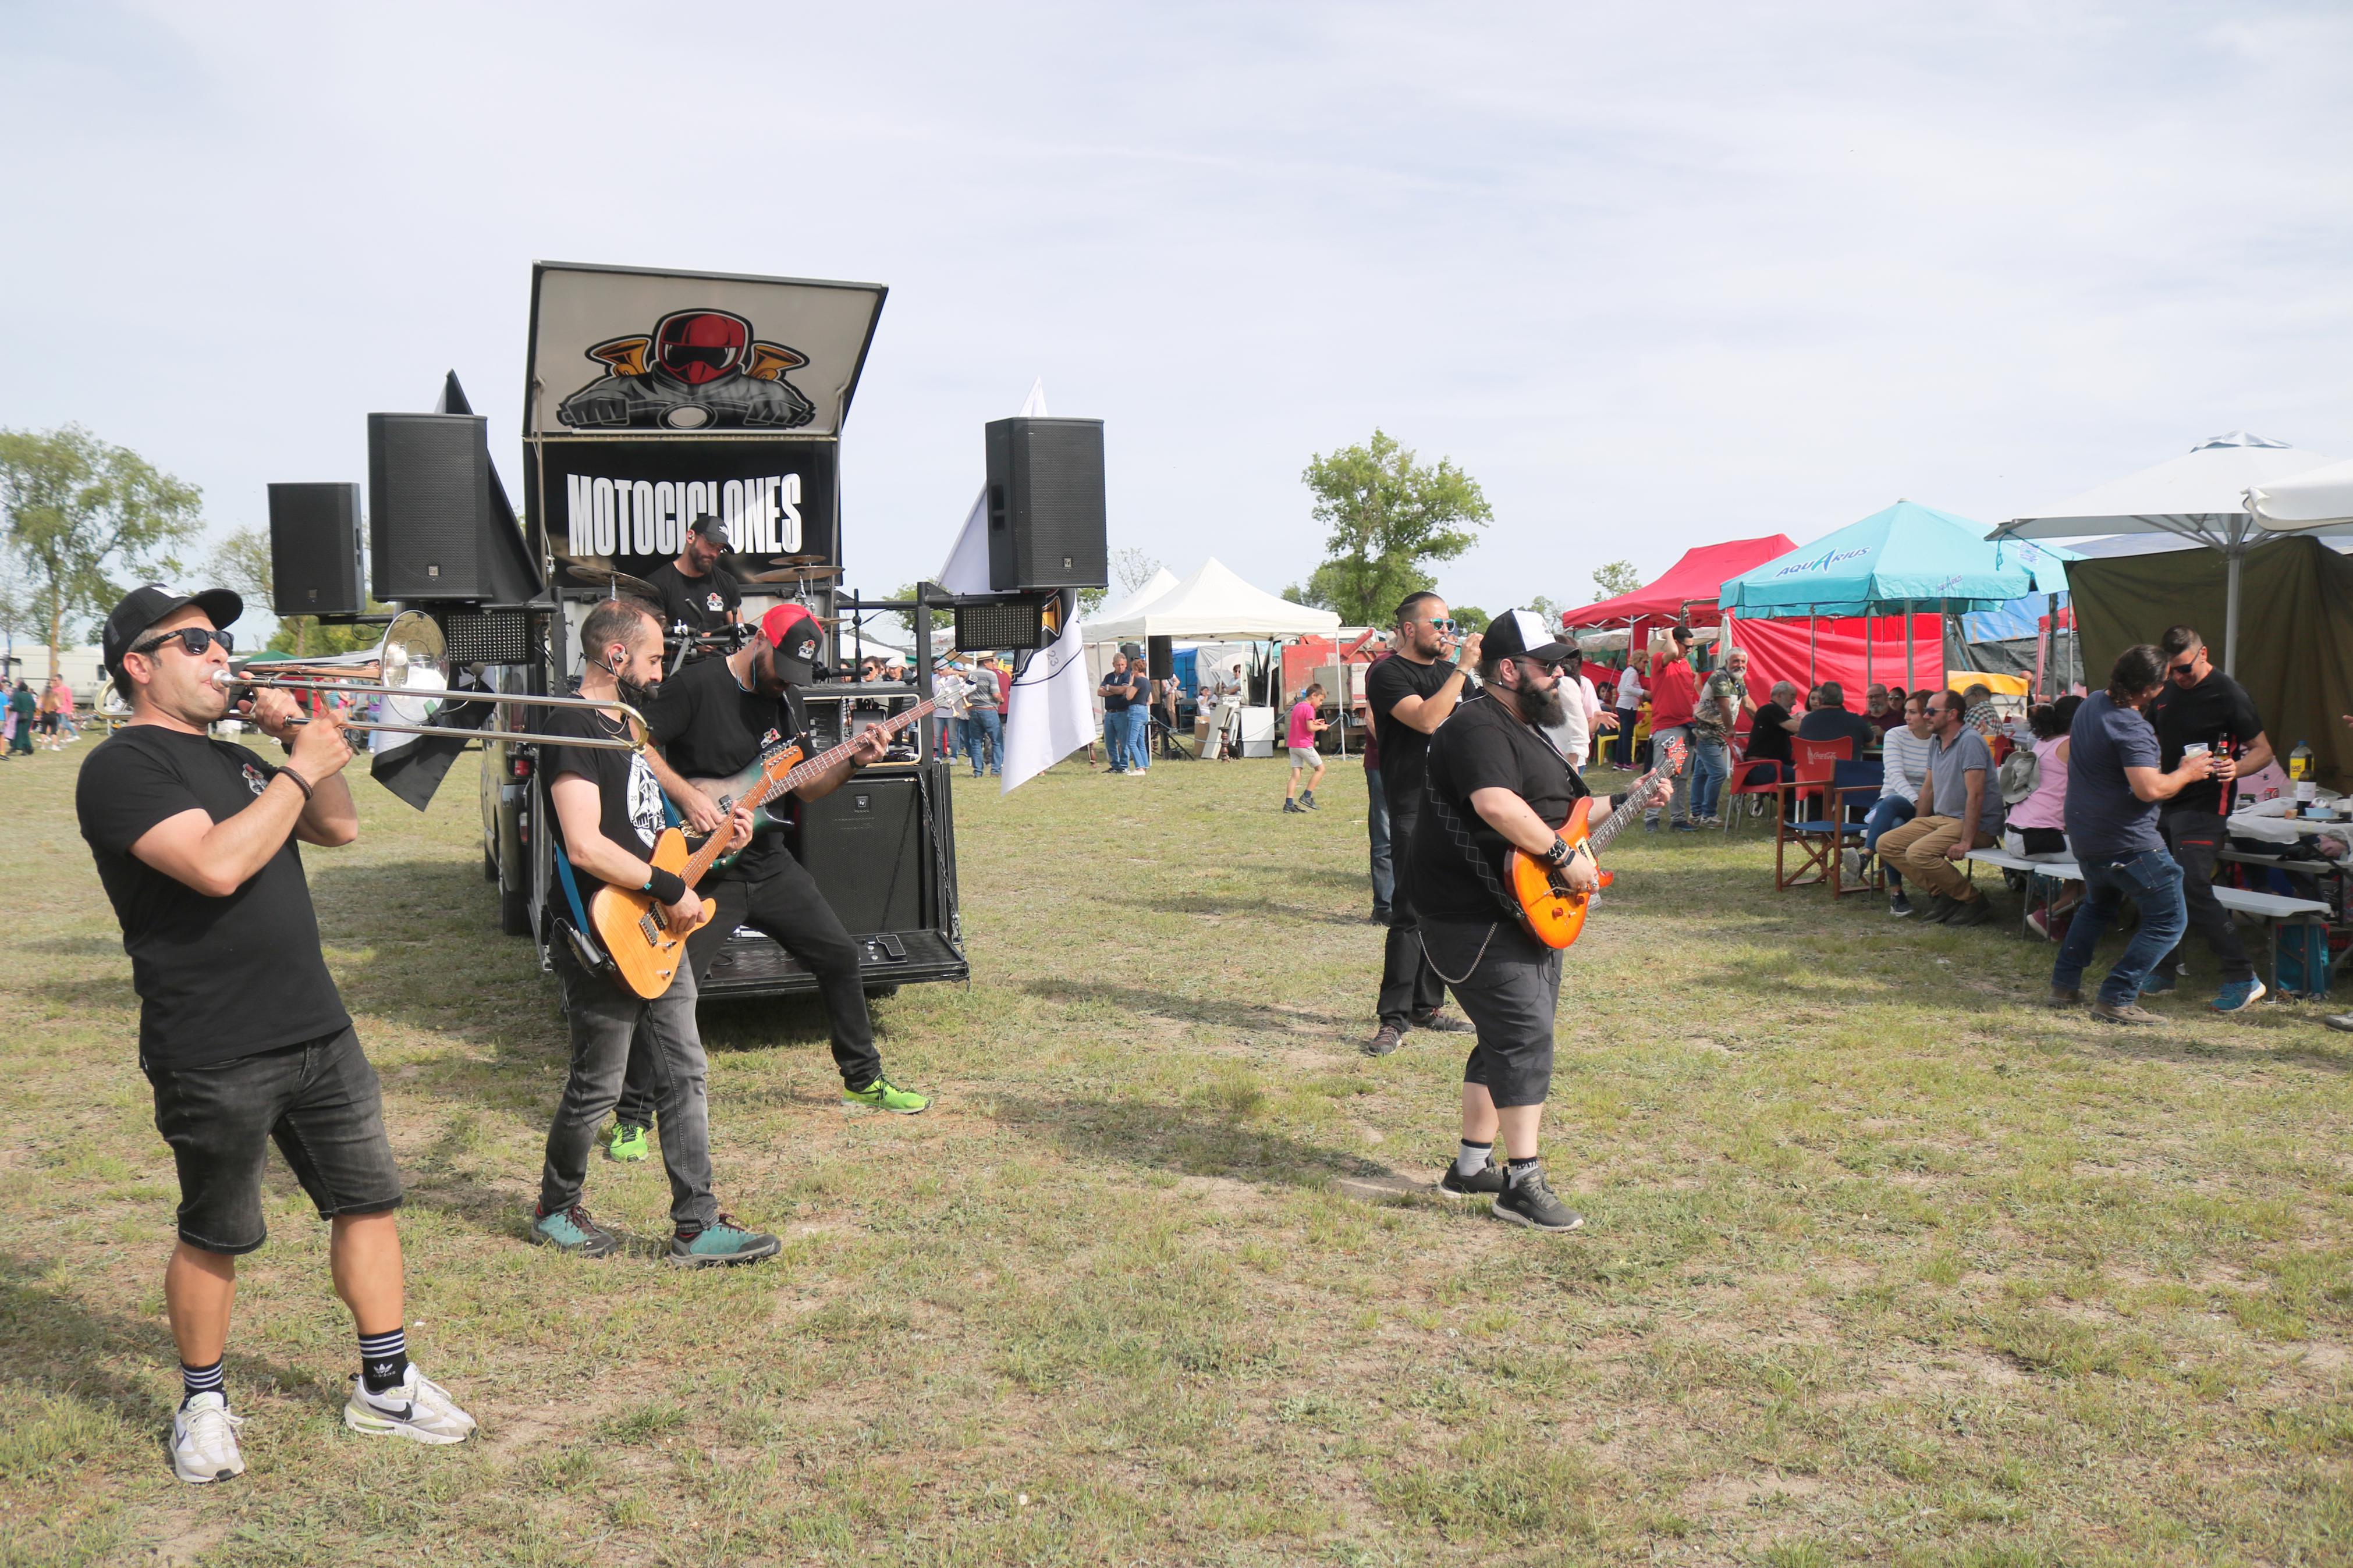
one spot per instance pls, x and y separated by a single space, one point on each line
1777 651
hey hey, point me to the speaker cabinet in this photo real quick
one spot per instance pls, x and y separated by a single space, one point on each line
863 845
429 501
1046 505
315 542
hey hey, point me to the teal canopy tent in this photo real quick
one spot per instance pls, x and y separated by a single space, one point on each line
1902 561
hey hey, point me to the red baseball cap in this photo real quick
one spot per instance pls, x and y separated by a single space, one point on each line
797 638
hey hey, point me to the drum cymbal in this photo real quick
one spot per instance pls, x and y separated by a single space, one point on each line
789 574
600 573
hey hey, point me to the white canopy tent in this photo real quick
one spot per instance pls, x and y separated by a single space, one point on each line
2200 496
1158 584
2317 499
1214 602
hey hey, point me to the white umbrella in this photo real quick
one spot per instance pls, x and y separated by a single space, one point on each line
2200 496
2318 498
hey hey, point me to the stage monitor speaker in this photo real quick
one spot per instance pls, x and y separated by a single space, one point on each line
864 845
315 545
1161 655
429 503
1046 505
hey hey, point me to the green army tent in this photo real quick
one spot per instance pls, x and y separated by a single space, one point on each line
2296 651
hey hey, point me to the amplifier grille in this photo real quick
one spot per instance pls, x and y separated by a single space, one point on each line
487 636
1010 625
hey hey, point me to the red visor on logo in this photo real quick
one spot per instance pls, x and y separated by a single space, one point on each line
700 346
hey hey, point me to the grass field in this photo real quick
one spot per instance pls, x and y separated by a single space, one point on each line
1883 1263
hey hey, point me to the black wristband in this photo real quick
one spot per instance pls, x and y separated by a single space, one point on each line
1559 853
299 783
667 886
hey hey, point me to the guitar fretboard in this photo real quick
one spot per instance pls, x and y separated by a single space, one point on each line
768 789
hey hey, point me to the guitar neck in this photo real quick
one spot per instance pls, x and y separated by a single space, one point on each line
1597 838
770 788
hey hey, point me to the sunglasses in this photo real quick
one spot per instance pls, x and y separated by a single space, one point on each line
2181 669
1443 625
192 641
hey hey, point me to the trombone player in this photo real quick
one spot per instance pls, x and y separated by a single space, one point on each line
194 840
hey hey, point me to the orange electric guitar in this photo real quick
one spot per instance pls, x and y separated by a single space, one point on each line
646 952
1552 913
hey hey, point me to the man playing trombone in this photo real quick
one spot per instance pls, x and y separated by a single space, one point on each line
242 1034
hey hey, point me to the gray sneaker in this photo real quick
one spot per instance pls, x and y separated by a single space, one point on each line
2343 1021
1530 1202
1386 1039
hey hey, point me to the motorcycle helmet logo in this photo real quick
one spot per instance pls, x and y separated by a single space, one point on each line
699 346
696 369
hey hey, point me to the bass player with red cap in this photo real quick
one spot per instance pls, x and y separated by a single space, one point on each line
717 717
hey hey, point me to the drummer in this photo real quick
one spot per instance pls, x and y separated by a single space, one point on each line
696 590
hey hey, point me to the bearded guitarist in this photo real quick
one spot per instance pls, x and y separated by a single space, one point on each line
1496 783
717 717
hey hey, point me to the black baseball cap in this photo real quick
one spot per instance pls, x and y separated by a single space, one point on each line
1523 633
143 607
714 529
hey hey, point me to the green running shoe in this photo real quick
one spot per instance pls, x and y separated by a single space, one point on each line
884 1095
628 1143
721 1242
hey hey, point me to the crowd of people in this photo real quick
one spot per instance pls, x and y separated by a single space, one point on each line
44 720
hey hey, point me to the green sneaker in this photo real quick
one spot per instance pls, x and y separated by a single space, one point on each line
884 1095
721 1242
628 1143
571 1230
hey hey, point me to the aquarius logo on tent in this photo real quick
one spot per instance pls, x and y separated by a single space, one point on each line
1823 562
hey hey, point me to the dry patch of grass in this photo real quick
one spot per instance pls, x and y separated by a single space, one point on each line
1883 1265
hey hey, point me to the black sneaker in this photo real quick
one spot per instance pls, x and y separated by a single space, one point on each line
1386 1039
1486 1183
1307 799
1290 804
1976 912
1940 910
1443 1022
1898 905
1530 1202
1380 917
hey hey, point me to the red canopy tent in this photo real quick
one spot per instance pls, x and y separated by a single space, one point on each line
1688 587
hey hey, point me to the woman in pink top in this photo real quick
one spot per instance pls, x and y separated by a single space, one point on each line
2037 819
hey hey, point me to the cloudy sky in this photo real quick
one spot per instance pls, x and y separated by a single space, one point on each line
1654 276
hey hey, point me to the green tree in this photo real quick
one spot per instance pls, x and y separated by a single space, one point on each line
241 562
1612 578
1386 515
1468 618
83 516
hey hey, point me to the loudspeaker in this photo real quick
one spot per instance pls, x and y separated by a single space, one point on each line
314 551
429 501
1162 656
863 847
1046 505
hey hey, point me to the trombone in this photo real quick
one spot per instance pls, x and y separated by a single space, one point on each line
412 669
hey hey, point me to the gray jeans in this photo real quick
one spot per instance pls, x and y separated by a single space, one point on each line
605 1016
1679 807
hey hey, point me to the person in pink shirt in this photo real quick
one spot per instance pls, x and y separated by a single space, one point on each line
1304 757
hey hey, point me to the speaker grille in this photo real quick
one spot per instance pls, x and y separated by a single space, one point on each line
314 551
488 637
1016 624
429 496
1046 526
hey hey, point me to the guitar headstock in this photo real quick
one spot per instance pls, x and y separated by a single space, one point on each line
779 762
1672 751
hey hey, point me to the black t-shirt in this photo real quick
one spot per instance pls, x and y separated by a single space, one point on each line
1403 747
708 727
704 603
631 811
1767 741
1115 688
2216 710
1481 745
1839 724
217 978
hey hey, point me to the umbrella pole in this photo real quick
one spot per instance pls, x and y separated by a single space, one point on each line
1813 631
1866 654
1911 680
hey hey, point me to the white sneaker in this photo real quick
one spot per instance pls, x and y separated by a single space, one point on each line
420 1409
204 1441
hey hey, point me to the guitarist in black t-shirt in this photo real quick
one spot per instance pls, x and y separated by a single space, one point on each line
716 718
241 1033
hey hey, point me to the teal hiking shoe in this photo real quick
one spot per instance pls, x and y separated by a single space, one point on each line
2238 995
721 1242
884 1095
571 1230
629 1144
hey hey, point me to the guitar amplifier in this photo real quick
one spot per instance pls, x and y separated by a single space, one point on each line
863 845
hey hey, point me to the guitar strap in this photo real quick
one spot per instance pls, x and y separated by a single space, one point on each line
584 946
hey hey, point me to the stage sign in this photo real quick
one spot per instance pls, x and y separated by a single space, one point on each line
618 351
631 502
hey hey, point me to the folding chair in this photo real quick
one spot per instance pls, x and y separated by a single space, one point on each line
1734 789
1818 838
1850 781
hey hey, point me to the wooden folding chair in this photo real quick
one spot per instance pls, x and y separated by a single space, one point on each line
1818 840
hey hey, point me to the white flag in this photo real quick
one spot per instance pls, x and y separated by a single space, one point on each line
1050 712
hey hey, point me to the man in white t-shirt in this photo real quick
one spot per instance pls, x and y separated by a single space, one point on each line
1225 717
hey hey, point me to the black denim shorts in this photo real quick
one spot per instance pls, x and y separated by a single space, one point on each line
1510 991
318 1099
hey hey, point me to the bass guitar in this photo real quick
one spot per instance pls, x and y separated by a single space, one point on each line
646 952
744 789
1551 912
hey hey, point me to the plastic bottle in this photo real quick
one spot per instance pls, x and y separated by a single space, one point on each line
2299 768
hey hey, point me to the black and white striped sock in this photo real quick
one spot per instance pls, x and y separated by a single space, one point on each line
384 1360
195 1380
